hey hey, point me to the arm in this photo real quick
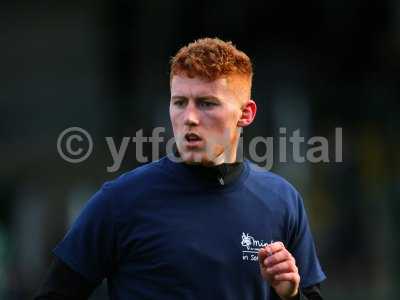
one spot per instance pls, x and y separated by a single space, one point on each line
278 268
86 255
63 283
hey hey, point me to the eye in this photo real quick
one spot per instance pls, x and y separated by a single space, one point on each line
179 103
207 104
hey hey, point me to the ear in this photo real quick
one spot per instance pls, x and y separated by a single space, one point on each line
249 110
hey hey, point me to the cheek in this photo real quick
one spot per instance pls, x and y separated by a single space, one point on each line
226 121
222 129
230 128
214 122
173 117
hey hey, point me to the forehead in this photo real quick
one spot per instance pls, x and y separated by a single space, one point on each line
195 87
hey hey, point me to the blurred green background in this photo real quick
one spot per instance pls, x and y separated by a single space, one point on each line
103 66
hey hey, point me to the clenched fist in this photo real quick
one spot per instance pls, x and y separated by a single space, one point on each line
278 268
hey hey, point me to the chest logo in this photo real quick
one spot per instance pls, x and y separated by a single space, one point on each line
251 246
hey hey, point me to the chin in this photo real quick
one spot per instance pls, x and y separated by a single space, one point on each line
191 157
199 155
196 158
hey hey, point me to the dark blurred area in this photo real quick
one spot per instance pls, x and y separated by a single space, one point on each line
103 66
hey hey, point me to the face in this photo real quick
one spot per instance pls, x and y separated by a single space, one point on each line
205 117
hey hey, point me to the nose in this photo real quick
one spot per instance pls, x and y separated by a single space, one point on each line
191 117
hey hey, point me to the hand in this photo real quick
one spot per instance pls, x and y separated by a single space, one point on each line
278 268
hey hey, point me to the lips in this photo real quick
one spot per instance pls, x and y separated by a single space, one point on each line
193 141
192 137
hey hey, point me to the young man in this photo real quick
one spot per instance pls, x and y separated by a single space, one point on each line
202 228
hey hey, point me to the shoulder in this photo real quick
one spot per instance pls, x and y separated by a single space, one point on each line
141 176
270 183
128 191
270 180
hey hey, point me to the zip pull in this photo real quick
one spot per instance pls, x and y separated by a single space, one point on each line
221 180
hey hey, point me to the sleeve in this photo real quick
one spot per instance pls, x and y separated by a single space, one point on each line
311 293
301 246
308 293
63 283
89 247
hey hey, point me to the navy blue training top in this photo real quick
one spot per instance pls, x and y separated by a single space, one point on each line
160 232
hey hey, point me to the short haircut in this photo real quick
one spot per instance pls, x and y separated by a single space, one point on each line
210 59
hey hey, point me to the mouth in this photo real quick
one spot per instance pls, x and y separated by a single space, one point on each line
192 140
192 137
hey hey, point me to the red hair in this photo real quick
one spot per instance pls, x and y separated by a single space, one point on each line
210 59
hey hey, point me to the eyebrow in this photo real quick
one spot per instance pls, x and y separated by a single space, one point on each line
177 97
211 97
